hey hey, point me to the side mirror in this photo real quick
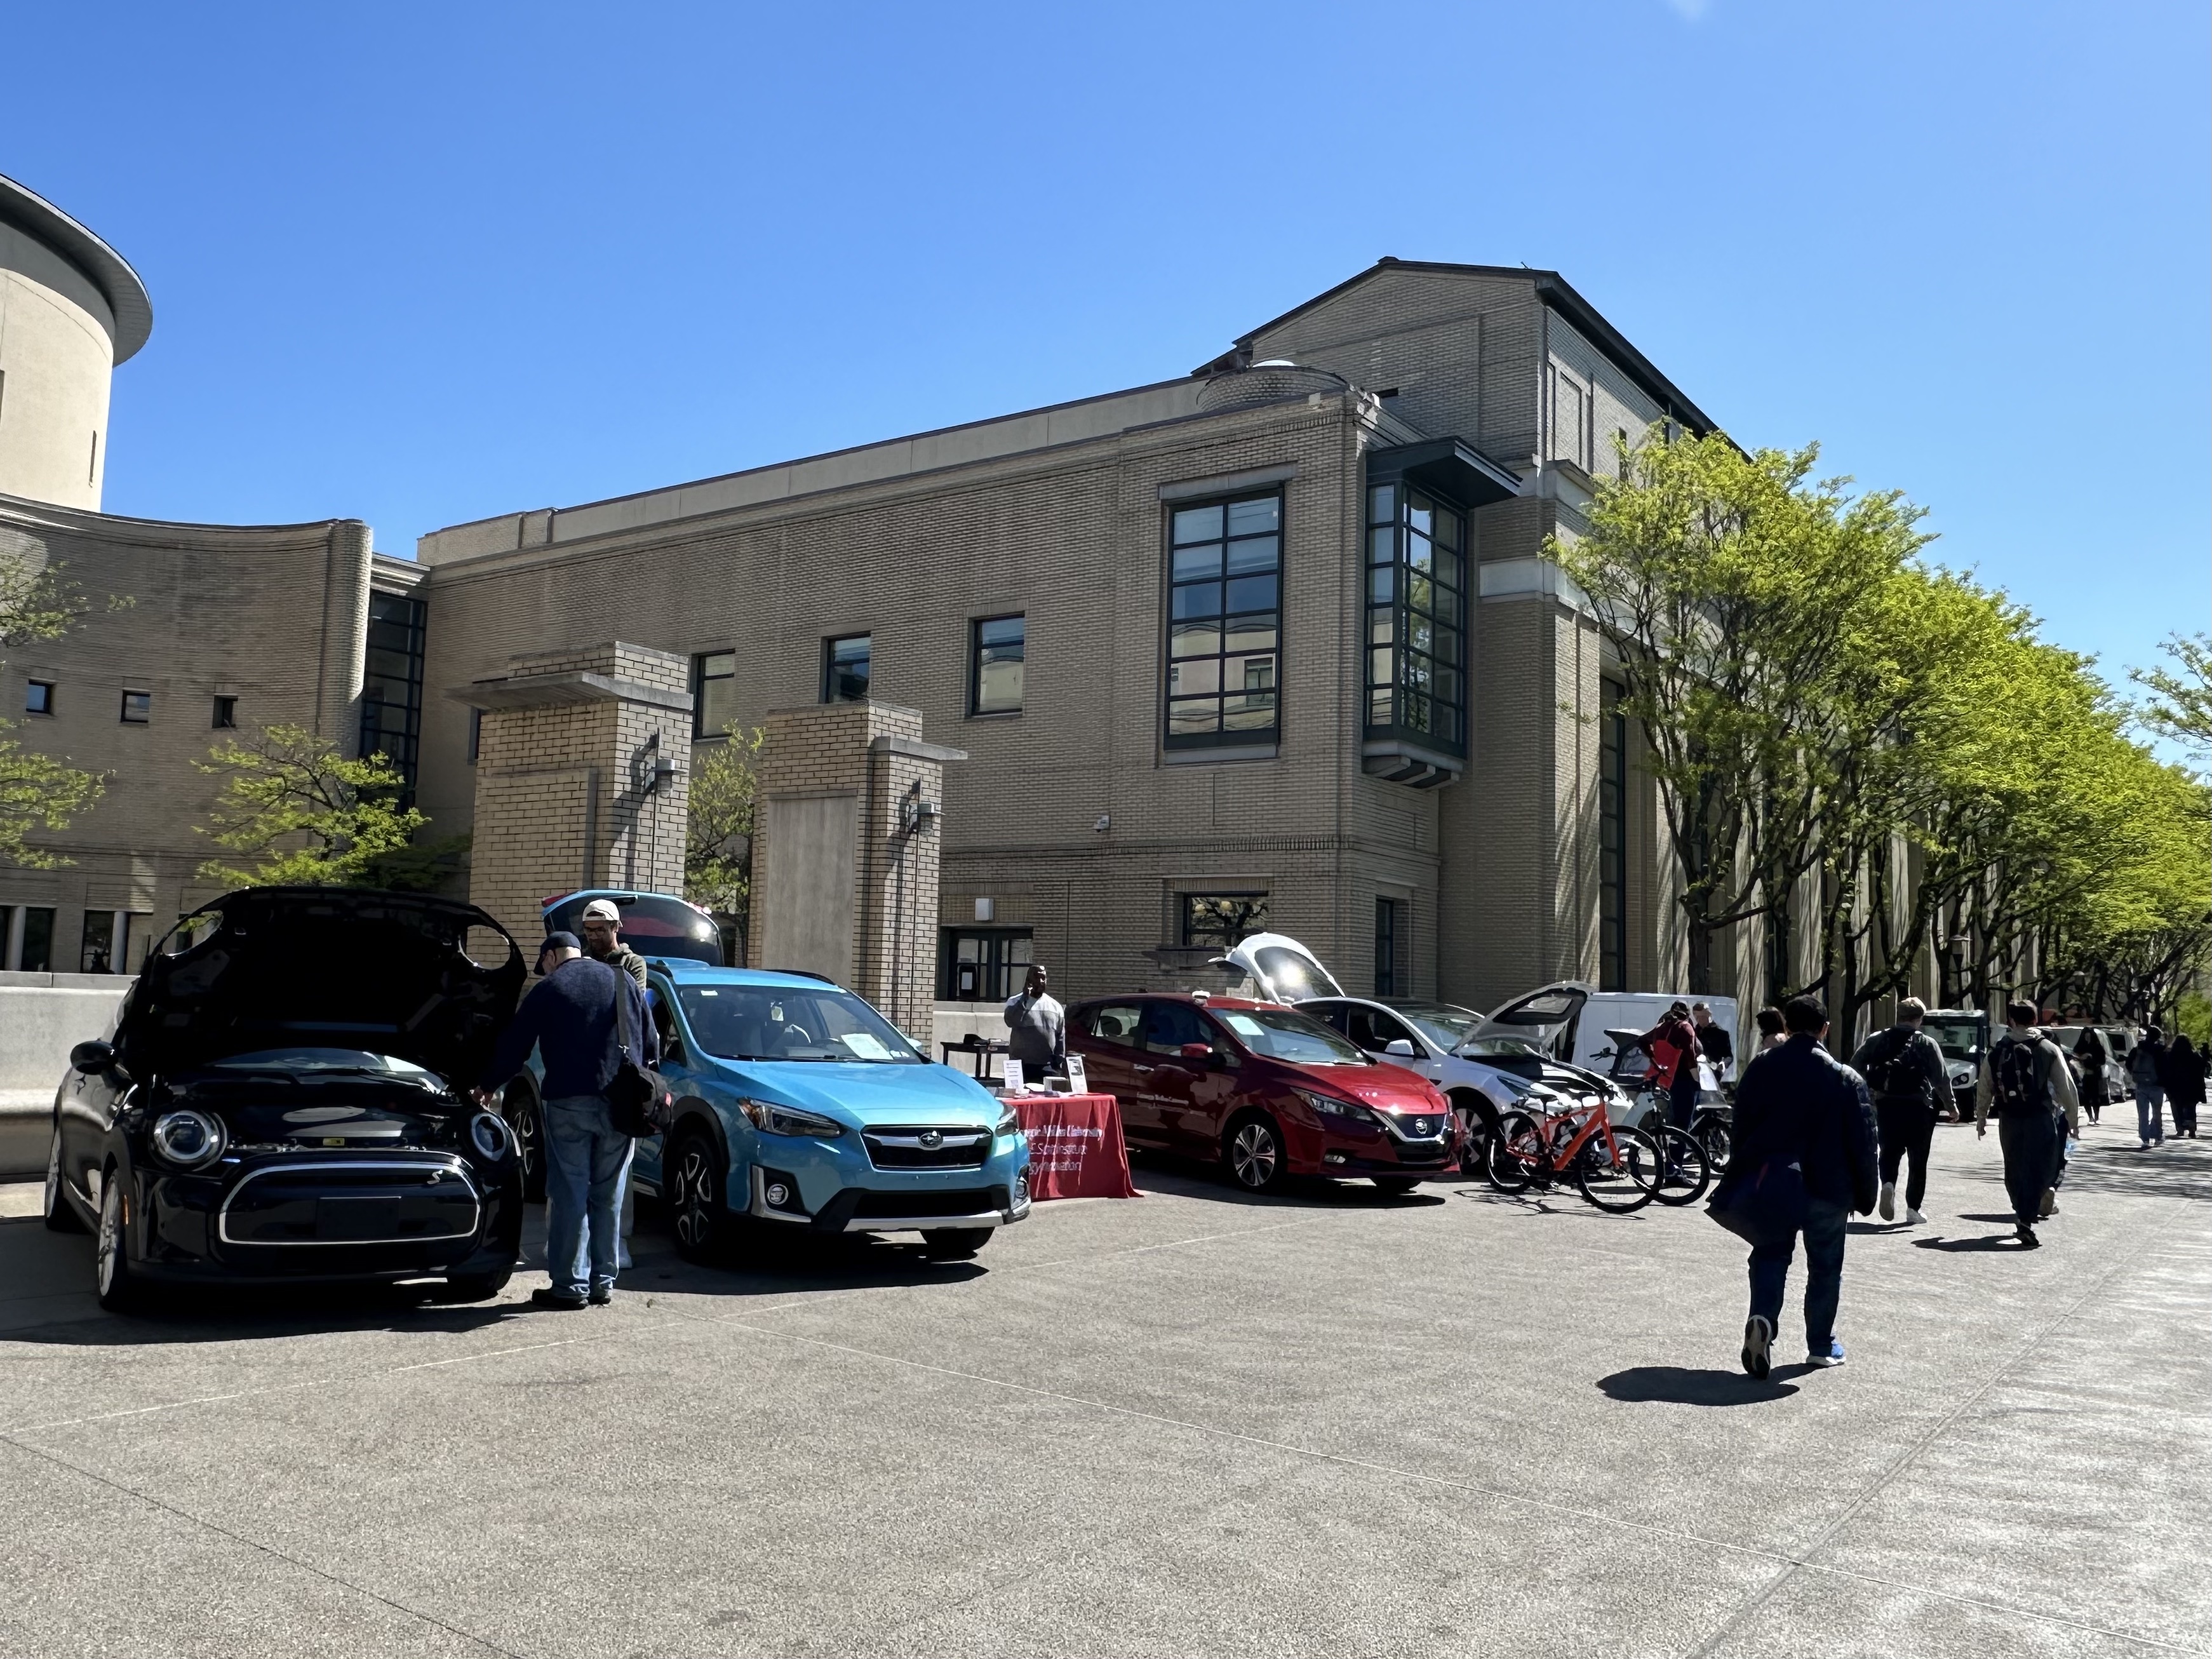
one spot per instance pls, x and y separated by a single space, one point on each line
1197 1053
92 1056
1399 1047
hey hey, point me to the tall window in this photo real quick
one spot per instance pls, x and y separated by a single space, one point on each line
845 668
1612 843
714 693
1416 617
391 694
35 950
1219 919
225 718
1225 591
994 672
1386 947
982 964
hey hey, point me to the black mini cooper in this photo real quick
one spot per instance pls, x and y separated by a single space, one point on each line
284 1098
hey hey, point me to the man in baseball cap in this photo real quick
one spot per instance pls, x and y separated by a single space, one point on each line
602 942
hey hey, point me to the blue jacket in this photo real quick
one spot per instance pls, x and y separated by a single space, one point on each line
1799 1103
569 1017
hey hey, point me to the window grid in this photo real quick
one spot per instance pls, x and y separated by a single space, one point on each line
714 693
1416 627
1386 947
996 652
391 691
1225 613
1613 844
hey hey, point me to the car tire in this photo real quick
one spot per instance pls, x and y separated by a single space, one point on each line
1397 1186
113 1280
693 1178
954 1243
477 1287
59 1215
1252 1152
527 1124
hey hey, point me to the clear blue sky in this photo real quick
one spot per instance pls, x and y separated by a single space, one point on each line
420 264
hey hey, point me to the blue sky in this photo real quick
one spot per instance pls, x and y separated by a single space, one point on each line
421 265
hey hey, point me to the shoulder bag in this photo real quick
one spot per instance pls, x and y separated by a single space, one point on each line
638 1099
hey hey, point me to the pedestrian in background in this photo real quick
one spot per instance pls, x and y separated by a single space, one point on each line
2025 1080
1714 1042
1037 1028
1673 1046
2092 1052
570 1017
1904 1072
1803 1160
2147 1068
2184 1085
1770 1028
602 940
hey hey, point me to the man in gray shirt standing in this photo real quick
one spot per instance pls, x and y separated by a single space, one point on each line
1037 1028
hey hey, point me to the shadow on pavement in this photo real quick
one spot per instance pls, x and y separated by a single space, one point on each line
1679 1385
1162 1172
1987 1242
253 1315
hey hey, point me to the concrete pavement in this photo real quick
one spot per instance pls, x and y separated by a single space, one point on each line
1191 1425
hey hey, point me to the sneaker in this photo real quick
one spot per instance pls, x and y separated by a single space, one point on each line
601 1295
546 1297
2049 1203
1757 1346
1834 1356
1887 1205
1913 1217
2025 1233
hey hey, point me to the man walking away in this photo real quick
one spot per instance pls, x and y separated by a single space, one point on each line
1904 1071
2026 1079
1801 1116
602 940
1717 1046
2185 1083
2147 1068
1673 1046
1037 1028
570 1018
2093 1055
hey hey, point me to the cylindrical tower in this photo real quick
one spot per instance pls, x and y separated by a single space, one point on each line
70 309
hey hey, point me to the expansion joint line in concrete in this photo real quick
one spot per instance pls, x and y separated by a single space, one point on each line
258 1547
1802 1560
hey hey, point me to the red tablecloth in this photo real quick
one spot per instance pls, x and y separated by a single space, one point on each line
1076 1149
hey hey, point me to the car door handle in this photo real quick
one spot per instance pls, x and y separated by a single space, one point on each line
1142 1071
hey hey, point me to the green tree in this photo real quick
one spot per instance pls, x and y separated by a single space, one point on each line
297 812
718 842
38 601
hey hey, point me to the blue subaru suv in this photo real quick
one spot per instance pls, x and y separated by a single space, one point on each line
801 1108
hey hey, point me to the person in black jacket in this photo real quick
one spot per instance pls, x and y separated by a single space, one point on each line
1800 1117
2185 1083
1904 1072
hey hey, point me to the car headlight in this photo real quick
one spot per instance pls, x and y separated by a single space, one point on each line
1011 1124
1328 1106
490 1136
770 1118
189 1139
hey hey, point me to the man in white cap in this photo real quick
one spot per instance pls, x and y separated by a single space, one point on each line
603 941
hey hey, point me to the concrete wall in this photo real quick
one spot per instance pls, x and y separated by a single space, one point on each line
56 357
44 1015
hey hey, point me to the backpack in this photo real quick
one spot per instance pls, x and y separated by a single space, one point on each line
1893 1073
2142 1065
2021 1082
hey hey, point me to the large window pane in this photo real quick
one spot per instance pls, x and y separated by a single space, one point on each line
1197 600
1249 593
1002 644
1199 639
1258 515
1195 563
1198 524
846 667
1190 678
1222 678
1260 553
714 693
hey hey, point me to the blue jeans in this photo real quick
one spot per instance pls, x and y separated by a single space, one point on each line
586 1159
1824 1273
2150 1109
1682 1097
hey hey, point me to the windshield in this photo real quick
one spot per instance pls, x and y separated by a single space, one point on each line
307 1061
1442 1023
1281 1034
776 1022
1295 974
1959 1039
652 925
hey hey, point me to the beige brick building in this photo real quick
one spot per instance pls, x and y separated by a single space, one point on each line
1271 641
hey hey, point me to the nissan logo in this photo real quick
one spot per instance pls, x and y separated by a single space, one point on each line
931 1138
1421 1126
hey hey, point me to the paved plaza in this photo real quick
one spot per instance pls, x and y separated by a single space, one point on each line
1334 1424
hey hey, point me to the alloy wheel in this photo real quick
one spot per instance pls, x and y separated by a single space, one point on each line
529 1150
107 1248
690 1201
1253 1156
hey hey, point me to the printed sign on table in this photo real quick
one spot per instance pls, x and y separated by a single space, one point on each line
1075 1146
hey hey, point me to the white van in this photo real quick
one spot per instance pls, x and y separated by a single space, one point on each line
1570 1019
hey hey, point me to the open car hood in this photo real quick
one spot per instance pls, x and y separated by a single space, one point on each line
1281 968
270 967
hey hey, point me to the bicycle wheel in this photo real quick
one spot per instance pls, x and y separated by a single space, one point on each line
1514 1153
1712 1132
1626 1178
1687 1171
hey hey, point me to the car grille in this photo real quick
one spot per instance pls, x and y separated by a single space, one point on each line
1421 1126
339 1201
959 1201
926 1146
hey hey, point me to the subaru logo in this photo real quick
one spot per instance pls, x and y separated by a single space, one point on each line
933 1137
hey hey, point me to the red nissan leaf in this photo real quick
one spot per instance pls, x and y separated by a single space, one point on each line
1269 1091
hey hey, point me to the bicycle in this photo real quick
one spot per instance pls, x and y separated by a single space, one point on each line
1619 1169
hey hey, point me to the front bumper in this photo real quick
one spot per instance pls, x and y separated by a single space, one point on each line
835 1188
1344 1149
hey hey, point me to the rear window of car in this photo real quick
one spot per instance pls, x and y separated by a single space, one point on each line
653 924
1279 1034
1114 1022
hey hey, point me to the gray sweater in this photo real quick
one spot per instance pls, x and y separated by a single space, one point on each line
1037 1032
